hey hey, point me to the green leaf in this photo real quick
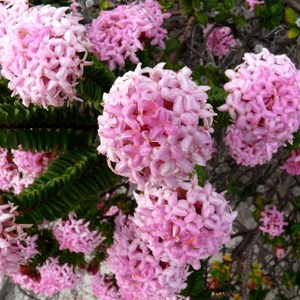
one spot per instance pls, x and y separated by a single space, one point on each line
201 17
293 32
200 174
290 16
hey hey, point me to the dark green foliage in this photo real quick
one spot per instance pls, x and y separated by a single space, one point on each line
56 3
195 286
270 14
70 179
99 73
258 294
37 129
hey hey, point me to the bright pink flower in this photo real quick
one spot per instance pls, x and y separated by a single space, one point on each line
75 235
120 33
18 168
138 273
15 246
292 165
54 278
272 221
149 127
183 227
220 40
252 3
263 101
39 53
103 288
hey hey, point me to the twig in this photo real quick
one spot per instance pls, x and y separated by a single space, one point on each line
247 266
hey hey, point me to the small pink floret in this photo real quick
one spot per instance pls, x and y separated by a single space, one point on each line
272 221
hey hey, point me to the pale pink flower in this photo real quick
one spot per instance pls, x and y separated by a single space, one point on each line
75 235
219 40
252 3
280 251
18 168
150 128
40 53
138 273
185 226
112 211
53 278
246 149
272 221
118 34
292 164
15 246
263 101
103 288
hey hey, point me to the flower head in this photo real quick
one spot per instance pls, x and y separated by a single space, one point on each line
219 40
103 288
252 3
272 221
18 168
118 34
292 164
149 128
75 235
15 246
40 53
138 273
185 226
53 278
263 101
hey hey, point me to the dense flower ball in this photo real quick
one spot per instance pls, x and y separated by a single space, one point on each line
263 101
40 53
292 164
18 168
103 288
118 34
219 40
53 278
15 247
75 235
149 128
272 221
185 226
138 273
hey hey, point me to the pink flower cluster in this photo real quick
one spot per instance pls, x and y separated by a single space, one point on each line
138 273
15 246
263 102
103 288
185 226
272 221
40 50
149 127
54 278
75 235
118 34
219 40
292 165
252 3
18 168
